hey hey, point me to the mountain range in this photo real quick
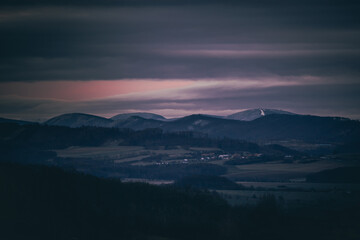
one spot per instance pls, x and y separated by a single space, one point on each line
249 125
76 119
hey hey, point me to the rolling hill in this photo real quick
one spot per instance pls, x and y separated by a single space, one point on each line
79 120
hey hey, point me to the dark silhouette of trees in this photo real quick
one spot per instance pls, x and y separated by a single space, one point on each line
39 202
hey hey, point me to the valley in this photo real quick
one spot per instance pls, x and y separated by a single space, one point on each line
277 166
251 166
284 178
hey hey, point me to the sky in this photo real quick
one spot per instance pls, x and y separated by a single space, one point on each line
175 58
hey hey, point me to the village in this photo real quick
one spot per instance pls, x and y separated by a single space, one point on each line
218 157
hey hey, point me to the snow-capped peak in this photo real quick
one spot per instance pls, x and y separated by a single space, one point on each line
251 114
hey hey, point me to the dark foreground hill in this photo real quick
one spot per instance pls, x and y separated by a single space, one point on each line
48 203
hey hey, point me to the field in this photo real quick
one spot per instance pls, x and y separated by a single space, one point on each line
129 154
280 171
286 181
267 171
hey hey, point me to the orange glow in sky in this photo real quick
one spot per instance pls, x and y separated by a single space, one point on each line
79 90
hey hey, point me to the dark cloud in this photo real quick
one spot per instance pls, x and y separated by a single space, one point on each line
57 40
171 2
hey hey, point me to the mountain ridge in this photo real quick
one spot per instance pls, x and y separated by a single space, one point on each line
246 115
145 115
78 120
252 114
271 127
20 122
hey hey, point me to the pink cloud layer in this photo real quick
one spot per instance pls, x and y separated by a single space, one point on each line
79 90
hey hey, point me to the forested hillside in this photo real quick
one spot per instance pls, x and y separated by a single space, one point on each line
40 202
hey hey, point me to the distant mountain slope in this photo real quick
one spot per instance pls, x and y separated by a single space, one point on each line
138 114
79 120
138 123
199 123
21 122
252 114
270 127
301 127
